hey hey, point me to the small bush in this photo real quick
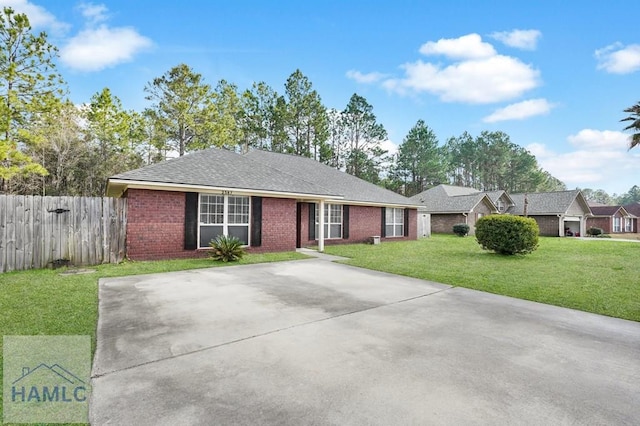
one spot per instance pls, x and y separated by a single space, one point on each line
226 249
461 229
506 234
594 232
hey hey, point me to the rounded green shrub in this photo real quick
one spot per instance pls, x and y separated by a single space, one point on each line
461 229
594 231
507 234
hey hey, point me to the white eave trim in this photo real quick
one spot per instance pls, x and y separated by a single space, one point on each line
162 186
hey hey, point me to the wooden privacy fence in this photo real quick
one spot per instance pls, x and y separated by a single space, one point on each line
37 232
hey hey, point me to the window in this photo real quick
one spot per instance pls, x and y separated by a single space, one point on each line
332 221
394 222
616 224
628 224
223 215
500 206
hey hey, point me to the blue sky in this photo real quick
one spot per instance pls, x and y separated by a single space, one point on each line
554 75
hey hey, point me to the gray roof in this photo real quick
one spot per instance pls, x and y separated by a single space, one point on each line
439 199
263 171
544 203
350 187
226 169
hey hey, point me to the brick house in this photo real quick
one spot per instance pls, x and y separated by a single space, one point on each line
558 213
448 205
612 219
634 210
270 201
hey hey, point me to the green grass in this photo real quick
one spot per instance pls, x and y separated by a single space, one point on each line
43 302
600 276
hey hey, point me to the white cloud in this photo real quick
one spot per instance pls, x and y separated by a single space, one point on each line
93 13
103 47
390 147
601 159
520 111
600 140
367 78
38 16
469 46
619 59
493 79
521 39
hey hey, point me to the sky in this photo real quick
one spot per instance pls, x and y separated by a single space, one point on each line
554 75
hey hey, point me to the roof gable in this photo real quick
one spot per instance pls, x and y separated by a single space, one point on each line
438 200
549 203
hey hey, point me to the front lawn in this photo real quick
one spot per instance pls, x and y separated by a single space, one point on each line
590 275
43 302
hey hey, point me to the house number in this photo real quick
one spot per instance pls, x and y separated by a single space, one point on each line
227 192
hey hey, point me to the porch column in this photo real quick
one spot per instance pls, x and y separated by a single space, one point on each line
321 227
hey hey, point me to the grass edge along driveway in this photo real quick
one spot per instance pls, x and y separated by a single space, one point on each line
43 302
596 276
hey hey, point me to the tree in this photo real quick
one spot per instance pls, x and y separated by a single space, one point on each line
306 119
57 143
226 116
29 85
599 196
181 108
631 196
112 138
634 139
419 163
364 135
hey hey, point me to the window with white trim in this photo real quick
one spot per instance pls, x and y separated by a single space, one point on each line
500 206
628 224
223 215
394 222
616 224
332 221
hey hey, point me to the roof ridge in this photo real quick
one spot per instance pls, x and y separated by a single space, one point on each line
285 172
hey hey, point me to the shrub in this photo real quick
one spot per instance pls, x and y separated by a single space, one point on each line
506 234
461 229
226 249
594 232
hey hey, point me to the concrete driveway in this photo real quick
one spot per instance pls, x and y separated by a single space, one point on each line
313 342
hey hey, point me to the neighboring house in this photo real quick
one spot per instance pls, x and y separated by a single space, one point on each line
555 212
449 205
634 210
611 219
270 201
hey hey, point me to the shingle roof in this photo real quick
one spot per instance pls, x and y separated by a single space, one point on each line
221 168
263 171
350 187
604 210
439 199
544 203
633 208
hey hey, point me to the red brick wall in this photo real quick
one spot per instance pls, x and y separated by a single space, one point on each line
549 225
443 223
278 225
601 222
155 225
364 222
